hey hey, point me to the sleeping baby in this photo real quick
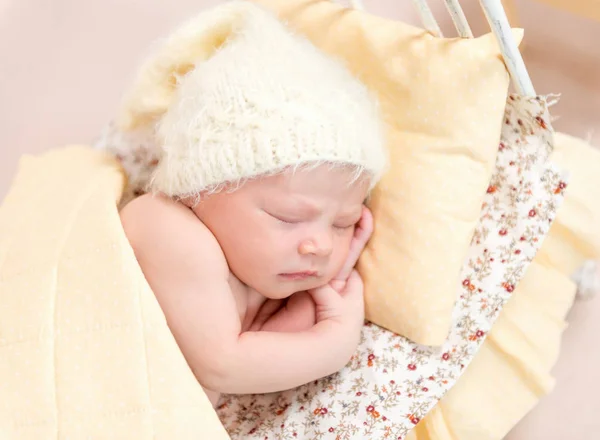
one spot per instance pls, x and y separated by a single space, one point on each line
256 214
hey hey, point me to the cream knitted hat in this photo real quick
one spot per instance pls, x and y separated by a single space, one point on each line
266 99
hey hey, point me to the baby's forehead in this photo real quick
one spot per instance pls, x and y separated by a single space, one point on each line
308 196
319 179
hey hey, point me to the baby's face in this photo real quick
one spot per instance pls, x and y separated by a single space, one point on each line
290 232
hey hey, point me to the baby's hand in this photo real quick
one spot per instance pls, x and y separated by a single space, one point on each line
295 315
345 306
362 234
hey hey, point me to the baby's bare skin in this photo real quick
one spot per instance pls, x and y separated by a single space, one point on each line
258 286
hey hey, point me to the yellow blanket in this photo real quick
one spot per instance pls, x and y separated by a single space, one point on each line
85 351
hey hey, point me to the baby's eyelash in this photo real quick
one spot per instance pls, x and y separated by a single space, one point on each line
344 227
289 222
282 220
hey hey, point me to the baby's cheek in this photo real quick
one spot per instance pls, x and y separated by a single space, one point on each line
338 258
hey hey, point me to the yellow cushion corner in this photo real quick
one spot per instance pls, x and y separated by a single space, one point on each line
575 234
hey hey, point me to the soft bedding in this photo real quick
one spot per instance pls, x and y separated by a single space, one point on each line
80 328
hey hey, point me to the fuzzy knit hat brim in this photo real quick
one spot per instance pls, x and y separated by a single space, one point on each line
262 100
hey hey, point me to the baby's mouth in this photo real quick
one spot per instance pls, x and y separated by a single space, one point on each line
294 276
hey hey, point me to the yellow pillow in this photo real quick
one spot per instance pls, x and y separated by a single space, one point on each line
443 100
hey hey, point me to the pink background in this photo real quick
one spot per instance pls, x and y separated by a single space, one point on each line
65 63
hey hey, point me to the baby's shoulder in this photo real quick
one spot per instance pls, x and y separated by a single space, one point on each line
167 234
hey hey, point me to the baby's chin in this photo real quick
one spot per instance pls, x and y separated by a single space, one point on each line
285 287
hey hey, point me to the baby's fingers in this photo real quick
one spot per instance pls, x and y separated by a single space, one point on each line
325 295
338 285
364 229
353 293
354 284
362 233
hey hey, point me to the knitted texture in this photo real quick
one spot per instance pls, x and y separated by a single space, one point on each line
265 100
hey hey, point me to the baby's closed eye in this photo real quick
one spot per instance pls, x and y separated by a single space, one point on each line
344 224
286 217
289 218
347 221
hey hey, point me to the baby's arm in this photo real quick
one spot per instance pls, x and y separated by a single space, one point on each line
295 315
188 273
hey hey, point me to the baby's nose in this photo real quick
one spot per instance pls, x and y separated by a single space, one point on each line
320 248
